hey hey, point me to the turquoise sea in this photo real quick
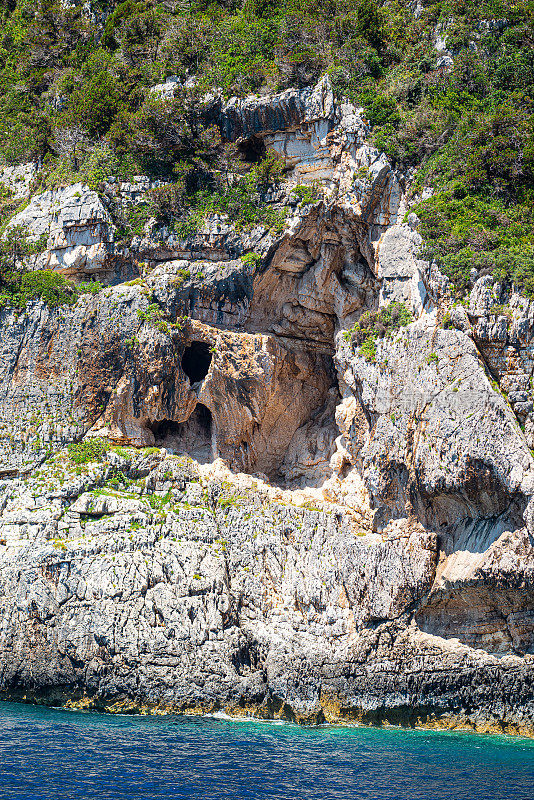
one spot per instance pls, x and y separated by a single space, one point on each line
49 754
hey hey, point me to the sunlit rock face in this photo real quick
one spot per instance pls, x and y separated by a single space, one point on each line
76 226
321 140
284 522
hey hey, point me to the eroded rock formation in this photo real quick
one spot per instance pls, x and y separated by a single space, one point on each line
315 531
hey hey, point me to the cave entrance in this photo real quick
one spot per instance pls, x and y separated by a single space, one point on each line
196 361
192 437
252 150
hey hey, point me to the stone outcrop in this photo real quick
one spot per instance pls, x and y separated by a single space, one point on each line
76 226
295 513
179 590
321 140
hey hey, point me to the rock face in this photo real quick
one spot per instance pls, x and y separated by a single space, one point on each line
76 227
290 512
320 140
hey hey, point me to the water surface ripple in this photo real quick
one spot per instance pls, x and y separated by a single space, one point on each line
49 754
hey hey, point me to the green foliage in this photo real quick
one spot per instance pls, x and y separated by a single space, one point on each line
182 275
136 218
8 206
242 203
252 260
18 285
306 194
157 502
242 55
88 450
380 109
45 285
91 287
373 325
153 315
94 104
482 233
94 165
368 349
394 316
483 216
380 323
121 12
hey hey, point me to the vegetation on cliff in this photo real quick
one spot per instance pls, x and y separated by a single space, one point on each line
374 325
74 96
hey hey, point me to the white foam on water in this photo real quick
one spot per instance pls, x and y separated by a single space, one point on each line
229 718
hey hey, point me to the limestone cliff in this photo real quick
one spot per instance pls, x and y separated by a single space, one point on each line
301 505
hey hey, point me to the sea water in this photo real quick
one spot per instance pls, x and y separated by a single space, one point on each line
50 754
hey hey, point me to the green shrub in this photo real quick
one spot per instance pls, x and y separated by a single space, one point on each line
368 349
94 105
137 216
381 110
90 287
153 315
251 260
482 233
43 284
376 324
88 450
121 12
373 325
482 216
306 194
242 203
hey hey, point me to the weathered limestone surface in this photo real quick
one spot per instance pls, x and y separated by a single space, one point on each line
177 606
226 598
76 225
321 140
284 524
18 179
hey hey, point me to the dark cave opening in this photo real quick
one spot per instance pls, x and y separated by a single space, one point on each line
194 436
203 418
196 361
252 150
163 428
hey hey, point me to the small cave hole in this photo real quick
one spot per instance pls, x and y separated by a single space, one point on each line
193 437
164 428
196 361
252 150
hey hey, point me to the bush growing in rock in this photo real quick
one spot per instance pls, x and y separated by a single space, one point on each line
377 324
305 194
374 325
88 450
43 284
18 285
